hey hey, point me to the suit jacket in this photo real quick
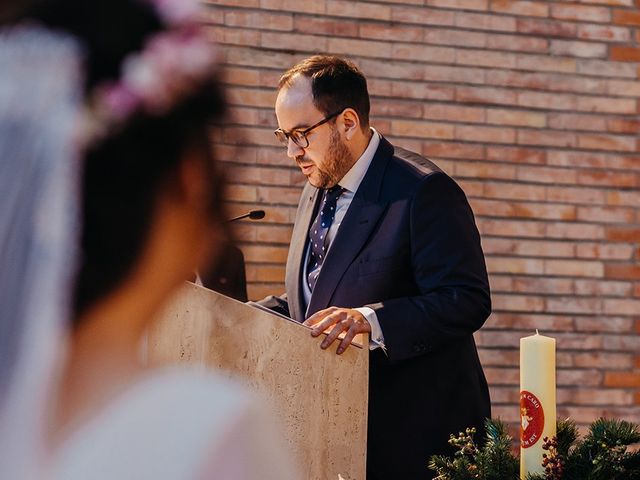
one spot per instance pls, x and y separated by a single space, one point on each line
409 249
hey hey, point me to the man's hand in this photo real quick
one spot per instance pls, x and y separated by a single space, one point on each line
347 320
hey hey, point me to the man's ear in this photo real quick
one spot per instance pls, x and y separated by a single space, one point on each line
350 123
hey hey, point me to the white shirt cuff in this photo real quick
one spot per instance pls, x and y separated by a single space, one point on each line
376 338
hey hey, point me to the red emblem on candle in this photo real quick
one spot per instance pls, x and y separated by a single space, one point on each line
531 419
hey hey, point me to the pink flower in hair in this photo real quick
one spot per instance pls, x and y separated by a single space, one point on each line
117 101
176 12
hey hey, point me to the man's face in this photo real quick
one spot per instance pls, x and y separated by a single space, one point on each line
327 159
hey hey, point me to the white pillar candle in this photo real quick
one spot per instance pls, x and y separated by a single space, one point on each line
537 399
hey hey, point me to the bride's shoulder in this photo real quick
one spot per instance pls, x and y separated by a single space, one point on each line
164 426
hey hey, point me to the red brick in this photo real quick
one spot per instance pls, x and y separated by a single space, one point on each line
621 125
574 121
519 43
518 303
485 134
574 268
438 73
572 378
325 26
317 6
622 379
293 41
453 112
420 129
579 195
602 324
543 100
624 54
578 231
605 68
621 307
516 155
602 360
347 46
547 138
547 28
578 49
631 198
606 105
479 21
581 13
607 142
486 58
613 251
580 396
607 33
514 191
396 32
415 52
464 38
546 63
606 214
518 7
624 234
591 160
396 108
547 286
602 288
345 8
529 322
523 118
484 170
622 271
234 36
500 208
547 175
613 179
453 150
528 248
511 228
459 4
422 91
626 17
422 16
264 20
485 95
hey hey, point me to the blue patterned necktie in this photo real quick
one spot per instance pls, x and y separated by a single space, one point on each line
318 233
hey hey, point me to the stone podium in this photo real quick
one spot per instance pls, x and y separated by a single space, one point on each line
319 398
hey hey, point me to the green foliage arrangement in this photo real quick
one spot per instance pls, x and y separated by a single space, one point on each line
603 454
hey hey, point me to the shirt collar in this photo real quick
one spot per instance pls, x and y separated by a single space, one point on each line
352 179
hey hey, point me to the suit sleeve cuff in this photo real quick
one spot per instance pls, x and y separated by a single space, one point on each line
376 339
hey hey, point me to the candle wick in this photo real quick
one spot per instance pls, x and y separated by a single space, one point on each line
537 332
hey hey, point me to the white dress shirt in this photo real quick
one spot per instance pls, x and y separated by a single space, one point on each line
350 182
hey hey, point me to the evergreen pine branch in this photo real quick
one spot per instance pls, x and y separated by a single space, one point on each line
566 434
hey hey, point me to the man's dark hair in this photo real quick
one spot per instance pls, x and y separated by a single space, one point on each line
336 84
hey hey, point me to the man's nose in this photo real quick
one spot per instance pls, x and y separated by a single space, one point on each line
294 150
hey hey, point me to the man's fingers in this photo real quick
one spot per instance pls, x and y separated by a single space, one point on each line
329 320
333 334
346 341
318 316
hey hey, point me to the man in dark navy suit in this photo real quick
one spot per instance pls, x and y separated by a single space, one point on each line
384 243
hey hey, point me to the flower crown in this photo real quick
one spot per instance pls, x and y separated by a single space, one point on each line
172 64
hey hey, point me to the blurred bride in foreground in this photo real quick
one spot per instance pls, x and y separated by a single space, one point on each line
110 198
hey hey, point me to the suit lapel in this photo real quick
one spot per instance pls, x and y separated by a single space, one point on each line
357 226
295 260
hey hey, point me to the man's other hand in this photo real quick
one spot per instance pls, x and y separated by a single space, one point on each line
347 320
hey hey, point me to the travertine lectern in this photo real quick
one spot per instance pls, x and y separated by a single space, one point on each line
321 397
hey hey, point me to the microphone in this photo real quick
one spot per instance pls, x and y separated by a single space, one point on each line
252 215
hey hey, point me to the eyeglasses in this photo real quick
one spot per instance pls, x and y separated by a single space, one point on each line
299 137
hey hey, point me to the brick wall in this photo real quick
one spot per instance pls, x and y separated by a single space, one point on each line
533 106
